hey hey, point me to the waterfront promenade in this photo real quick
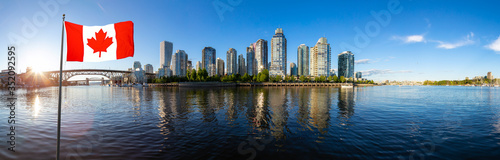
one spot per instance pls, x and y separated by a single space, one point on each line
222 84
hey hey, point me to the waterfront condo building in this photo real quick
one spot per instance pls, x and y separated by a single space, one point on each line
198 66
208 60
278 54
179 63
242 68
251 65
148 68
166 51
303 60
260 49
346 64
489 76
320 58
220 67
293 69
358 75
189 65
231 60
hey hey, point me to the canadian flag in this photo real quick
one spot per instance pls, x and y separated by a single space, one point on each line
99 43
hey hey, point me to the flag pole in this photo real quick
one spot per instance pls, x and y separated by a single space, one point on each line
60 93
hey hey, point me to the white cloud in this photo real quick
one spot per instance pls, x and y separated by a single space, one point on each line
362 61
495 45
461 43
372 72
414 38
411 38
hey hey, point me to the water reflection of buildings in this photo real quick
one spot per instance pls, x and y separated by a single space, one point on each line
261 119
279 110
207 107
230 102
346 105
303 101
320 108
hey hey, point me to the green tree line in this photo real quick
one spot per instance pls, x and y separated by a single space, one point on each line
202 76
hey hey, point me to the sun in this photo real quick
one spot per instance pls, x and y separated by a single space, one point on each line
36 70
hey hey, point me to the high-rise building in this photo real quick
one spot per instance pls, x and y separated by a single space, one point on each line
220 67
278 54
251 65
148 68
260 48
489 76
166 51
232 66
346 64
303 60
358 75
242 68
332 72
179 63
189 65
198 66
208 60
160 73
137 65
293 69
320 58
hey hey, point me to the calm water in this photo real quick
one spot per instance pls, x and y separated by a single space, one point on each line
384 122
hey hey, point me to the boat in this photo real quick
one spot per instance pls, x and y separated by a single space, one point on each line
346 87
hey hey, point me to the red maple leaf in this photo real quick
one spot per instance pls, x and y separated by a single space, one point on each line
100 43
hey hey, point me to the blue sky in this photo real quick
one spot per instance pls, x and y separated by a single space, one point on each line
422 40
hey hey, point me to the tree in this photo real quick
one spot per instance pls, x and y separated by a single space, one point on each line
245 77
322 78
188 75
193 75
264 77
316 79
302 78
278 78
342 79
330 78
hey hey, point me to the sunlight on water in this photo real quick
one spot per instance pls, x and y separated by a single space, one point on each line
36 107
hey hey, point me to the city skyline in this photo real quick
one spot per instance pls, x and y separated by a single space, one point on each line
398 49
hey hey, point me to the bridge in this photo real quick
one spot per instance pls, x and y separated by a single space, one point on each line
67 74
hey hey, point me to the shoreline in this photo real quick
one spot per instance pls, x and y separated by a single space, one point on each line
248 84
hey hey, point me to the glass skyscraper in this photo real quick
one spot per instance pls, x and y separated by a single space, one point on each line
220 67
208 60
278 54
242 68
260 49
303 60
166 51
179 63
346 64
232 66
251 70
320 58
293 69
